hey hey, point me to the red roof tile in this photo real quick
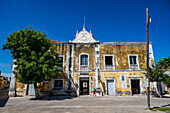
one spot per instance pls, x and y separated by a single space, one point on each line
57 41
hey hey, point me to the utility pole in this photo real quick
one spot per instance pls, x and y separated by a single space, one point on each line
147 48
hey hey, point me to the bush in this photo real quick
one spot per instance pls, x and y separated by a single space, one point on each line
166 92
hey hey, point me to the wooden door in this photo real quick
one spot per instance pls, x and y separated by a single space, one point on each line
84 87
135 86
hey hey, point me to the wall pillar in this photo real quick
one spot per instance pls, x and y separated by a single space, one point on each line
12 91
98 77
70 74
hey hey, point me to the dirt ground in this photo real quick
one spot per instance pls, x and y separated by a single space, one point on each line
82 104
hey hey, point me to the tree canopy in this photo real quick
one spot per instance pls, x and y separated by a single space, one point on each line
156 74
34 54
164 63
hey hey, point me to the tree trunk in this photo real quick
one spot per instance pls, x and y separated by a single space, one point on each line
157 91
36 90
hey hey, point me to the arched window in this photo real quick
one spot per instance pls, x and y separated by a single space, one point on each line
84 60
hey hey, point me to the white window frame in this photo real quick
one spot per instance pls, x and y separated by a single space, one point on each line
112 60
56 87
137 60
63 60
106 88
80 60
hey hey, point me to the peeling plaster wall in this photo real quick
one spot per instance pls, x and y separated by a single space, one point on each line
91 74
64 50
121 55
120 52
89 49
117 76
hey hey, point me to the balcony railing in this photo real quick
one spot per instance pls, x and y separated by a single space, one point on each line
84 67
133 66
109 67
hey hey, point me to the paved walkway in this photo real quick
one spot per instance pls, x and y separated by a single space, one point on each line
82 104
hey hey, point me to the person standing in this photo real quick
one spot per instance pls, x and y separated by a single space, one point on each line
94 91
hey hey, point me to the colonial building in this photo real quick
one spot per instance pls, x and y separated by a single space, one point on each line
113 68
3 82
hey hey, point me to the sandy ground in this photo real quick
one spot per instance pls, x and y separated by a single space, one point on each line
82 104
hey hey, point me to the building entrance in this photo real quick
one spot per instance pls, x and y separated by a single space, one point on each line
84 86
135 86
30 89
110 87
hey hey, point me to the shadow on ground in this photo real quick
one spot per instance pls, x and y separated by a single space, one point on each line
48 98
3 97
167 105
3 101
163 96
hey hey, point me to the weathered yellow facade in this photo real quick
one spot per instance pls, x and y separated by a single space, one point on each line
113 68
3 82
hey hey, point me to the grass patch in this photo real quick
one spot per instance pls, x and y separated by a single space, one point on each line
166 109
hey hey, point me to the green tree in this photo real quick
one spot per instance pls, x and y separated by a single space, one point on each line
35 56
157 74
164 63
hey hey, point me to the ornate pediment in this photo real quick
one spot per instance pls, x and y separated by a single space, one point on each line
84 37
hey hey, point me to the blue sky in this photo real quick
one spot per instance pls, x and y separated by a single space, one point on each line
109 20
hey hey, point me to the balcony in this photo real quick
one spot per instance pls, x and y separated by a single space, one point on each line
109 67
134 66
84 67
